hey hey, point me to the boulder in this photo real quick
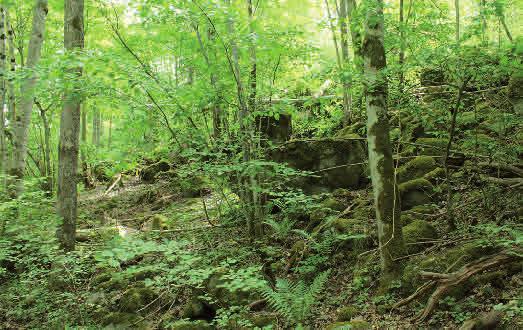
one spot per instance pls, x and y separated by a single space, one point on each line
416 168
136 298
431 146
415 192
148 174
347 313
329 159
418 231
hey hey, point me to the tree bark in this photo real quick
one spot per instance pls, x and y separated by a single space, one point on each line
47 167
3 137
11 109
23 119
70 129
344 33
386 199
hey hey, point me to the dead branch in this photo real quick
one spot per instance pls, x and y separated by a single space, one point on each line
513 168
445 282
118 179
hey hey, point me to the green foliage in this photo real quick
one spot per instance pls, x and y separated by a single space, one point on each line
294 300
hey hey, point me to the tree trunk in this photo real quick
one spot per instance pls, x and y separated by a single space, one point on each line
3 137
70 129
23 119
47 167
386 199
456 5
95 137
11 109
344 33
402 48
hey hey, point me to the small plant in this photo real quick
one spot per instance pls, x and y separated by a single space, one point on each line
294 300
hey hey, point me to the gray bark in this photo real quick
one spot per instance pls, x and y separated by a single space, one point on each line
386 199
3 137
70 129
23 118
344 33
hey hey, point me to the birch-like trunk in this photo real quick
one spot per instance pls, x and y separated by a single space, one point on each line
11 105
386 199
457 18
23 117
70 128
3 137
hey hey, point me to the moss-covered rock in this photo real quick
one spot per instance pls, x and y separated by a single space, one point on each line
156 222
353 325
196 309
334 204
431 146
348 133
418 231
263 320
347 313
329 159
120 320
136 298
190 325
416 168
415 192
342 193
148 174
436 176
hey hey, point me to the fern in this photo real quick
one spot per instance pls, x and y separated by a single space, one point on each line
294 300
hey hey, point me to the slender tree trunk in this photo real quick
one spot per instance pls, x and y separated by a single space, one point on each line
357 40
386 199
110 136
47 168
23 118
70 129
484 33
456 5
11 109
3 137
333 31
344 33
402 47
96 126
505 27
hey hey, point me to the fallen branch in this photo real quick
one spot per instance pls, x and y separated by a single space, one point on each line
445 282
118 179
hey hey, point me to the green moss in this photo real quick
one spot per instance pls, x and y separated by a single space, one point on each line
435 176
122 320
416 232
352 325
431 146
190 325
135 299
334 204
341 193
416 168
159 221
415 192
263 320
347 313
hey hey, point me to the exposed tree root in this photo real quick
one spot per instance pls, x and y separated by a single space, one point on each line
445 282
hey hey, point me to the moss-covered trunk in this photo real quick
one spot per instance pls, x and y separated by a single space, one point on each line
380 152
70 128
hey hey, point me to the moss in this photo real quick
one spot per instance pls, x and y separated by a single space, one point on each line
117 282
353 325
416 168
263 320
122 320
415 192
101 278
192 186
148 174
136 298
435 176
418 231
431 146
334 204
190 325
347 313
341 193
441 261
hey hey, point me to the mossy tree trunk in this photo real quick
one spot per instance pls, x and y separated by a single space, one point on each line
70 128
3 137
23 118
386 199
